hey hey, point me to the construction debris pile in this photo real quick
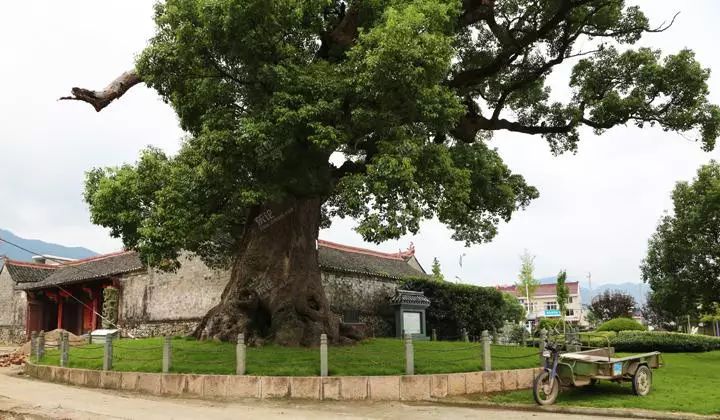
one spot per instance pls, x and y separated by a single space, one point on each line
52 338
7 360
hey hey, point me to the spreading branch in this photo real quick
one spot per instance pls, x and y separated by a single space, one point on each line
99 99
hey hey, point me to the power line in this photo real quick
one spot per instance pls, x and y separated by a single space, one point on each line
71 265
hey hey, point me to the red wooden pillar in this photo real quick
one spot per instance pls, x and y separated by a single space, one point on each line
95 311
60 312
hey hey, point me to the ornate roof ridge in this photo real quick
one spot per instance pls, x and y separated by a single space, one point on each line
400 255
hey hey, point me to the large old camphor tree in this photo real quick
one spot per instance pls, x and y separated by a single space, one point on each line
403 94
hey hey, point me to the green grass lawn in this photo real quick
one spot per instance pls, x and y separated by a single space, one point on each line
382 356
687 382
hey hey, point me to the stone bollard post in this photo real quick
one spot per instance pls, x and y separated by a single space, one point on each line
487 355
577 344
433 335
167 354
541 345
409 355
323 355
108 353
64 348
465 337
240 355
41 345
33 344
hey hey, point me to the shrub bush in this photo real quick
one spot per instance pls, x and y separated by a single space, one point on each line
645 341
549 324
621 324
457 306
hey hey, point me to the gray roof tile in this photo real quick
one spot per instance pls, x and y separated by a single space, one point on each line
347 259
332 257
83 270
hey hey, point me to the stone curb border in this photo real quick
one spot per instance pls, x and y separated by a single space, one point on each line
587 411
375 388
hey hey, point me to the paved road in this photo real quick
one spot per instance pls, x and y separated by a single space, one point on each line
31 399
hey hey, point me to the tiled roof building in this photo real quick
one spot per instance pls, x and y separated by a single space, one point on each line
69 294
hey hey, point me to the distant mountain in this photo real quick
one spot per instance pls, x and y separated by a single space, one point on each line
636 290
39 247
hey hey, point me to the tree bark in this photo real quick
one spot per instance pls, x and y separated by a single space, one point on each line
275 291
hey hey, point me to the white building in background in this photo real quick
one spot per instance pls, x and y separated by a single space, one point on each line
543 303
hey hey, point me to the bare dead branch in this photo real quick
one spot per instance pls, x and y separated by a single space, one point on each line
99 99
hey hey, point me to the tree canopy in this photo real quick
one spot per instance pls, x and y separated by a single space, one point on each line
562 292
436 270
612 304
682 264
527 284
379 108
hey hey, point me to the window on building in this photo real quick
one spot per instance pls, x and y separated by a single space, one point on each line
569 299
551 306
570 312
351 316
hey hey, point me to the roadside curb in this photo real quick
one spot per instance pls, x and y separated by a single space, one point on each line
342 388
588 411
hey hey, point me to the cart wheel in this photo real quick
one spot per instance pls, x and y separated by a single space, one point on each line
542 392
642 381
593 382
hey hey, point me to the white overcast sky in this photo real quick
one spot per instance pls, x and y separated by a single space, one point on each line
595 213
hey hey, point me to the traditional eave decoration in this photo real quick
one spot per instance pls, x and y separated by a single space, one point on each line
409 297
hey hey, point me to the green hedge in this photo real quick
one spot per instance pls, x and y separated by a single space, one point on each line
621 324
457 306
644 341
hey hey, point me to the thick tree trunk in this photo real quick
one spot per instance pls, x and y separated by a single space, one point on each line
275 291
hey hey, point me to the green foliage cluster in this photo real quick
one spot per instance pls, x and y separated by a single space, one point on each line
621 324
527 284
437 271
562 292
670 342
457 306
681 263
550 324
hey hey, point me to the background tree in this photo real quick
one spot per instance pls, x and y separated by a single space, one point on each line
611 305
682 265
527 284
563 294
402 94
657 317
436 271
514 311
711 316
